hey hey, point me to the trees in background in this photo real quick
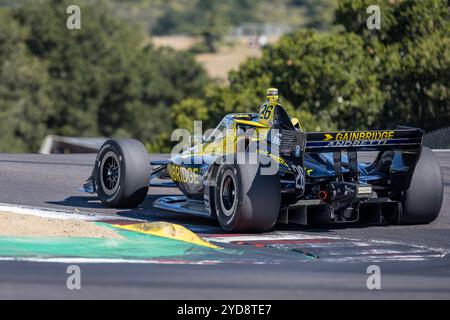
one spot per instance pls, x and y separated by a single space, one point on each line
24 96
211 20
100 80
106 80
319 14
323 79
412 55
354 79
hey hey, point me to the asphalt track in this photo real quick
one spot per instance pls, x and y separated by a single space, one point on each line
52 181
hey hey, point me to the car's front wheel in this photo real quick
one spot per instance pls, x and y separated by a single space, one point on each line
121 173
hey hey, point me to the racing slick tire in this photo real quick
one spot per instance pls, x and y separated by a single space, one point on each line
245 200
423 200
121 174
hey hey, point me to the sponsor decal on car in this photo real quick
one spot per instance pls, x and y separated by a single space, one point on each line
358 138
184 175
278 159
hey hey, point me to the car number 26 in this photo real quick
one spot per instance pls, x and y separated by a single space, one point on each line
266 112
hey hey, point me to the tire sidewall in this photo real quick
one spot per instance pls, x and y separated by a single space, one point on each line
258 199
110 146
423 200
228 222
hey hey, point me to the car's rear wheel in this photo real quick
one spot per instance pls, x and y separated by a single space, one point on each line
245 200
121 173
423 200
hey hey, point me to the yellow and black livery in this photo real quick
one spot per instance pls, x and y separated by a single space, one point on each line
319 177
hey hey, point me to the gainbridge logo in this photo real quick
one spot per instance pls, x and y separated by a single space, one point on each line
359 136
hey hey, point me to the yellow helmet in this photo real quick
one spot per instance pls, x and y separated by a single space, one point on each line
272 95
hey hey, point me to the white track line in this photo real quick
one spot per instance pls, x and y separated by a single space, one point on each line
57 213
267 237
75 260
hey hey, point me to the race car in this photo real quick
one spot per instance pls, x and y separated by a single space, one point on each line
257 169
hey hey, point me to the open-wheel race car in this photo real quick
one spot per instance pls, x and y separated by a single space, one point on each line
297 177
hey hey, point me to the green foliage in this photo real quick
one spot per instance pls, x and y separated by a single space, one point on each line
84 65
189 110
319 13
208 19
100 80
353 16
355 79
323 78
326 75
401 20
24 104
419 93
190 16
411 55
106 80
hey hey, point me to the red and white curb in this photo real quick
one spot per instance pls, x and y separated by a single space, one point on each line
328 248
335 248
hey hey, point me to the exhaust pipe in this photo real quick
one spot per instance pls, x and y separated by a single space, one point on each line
323 195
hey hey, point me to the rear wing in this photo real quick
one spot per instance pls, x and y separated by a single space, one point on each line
400 139
404 146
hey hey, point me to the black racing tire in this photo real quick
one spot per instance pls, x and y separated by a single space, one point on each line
121 173
256 202
423 200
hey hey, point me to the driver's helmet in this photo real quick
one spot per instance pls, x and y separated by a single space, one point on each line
272 95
